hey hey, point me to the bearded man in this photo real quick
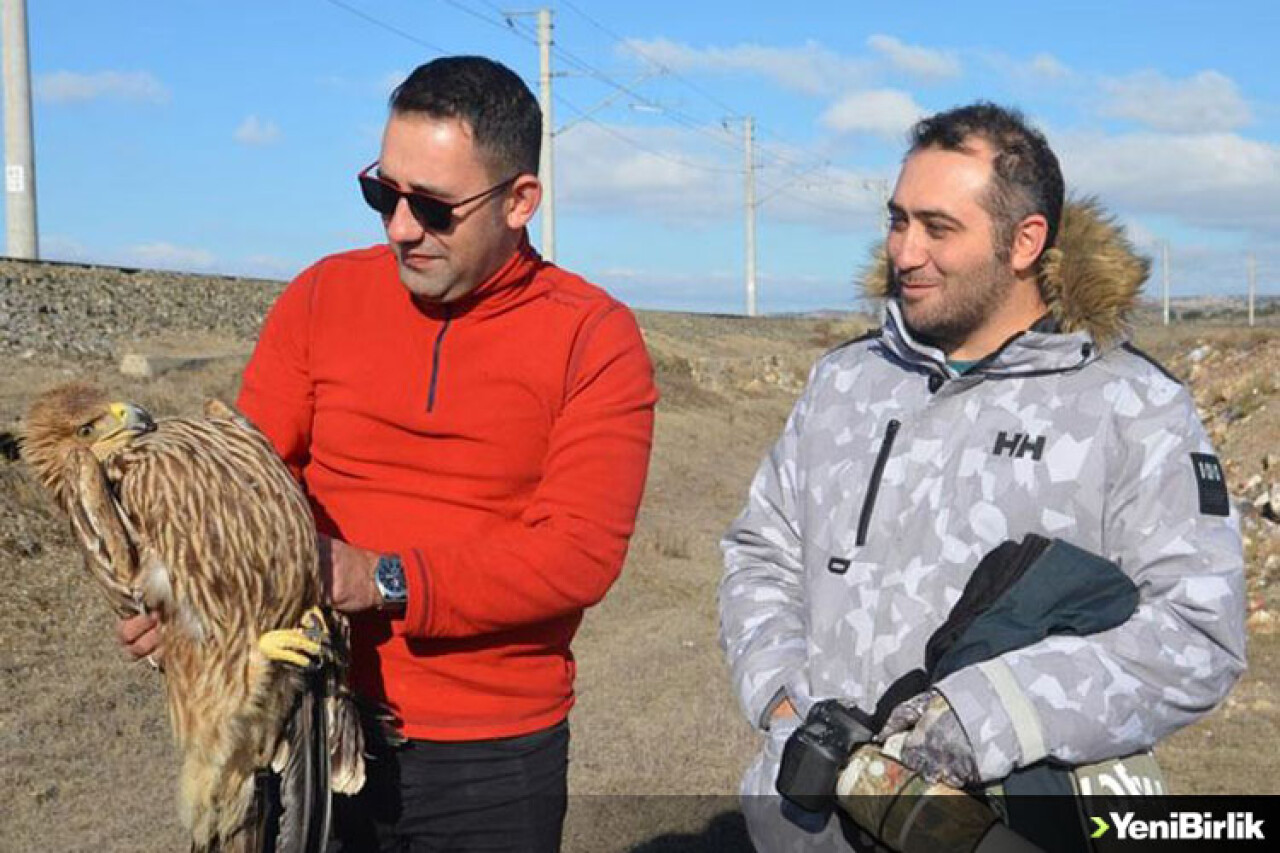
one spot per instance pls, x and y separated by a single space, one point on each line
996 420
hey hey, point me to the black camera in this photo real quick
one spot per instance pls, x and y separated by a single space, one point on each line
818 750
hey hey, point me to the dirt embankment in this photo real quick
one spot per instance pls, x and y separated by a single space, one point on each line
85 759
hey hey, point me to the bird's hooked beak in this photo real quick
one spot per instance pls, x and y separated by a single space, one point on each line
134 419
128 422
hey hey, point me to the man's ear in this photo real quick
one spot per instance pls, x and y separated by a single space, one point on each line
1029 240
522 203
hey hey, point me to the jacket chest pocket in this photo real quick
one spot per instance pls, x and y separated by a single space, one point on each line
873 485
842 505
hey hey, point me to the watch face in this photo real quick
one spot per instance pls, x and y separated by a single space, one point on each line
389 576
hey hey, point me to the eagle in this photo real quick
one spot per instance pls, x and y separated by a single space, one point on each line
199 521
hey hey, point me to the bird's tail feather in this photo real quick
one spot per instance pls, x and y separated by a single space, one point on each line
257 832
304 776
346 741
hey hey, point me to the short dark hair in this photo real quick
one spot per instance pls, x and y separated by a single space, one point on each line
1026 176
504 118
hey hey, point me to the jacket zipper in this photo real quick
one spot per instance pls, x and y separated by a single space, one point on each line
869 502
435 364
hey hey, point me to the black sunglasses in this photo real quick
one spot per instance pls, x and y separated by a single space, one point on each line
431 213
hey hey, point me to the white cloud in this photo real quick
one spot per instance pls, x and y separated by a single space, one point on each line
64 87
919 61
268 267
811 68
684 178
1019 73
156 255
57 247
883 112
679 173
1211 180
1141 235
255 131
1048 66
1203 103
721 289
161 255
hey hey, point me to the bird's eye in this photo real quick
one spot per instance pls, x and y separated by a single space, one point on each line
85 431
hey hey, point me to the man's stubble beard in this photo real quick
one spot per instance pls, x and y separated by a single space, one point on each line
967 301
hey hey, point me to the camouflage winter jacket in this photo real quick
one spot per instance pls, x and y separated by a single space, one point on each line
894 475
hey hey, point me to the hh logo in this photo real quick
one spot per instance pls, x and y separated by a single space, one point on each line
1019 445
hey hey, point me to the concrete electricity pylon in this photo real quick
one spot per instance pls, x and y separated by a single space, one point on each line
1253 284
19 149
749 206
547 157
1164 254
547 168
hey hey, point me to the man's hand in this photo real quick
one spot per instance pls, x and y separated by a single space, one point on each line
934 744
140 635
347 573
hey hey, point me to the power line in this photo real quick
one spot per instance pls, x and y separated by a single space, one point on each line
510 25
504 25
804 166
512 20
663 66
796 167
584 116
388 27
590 70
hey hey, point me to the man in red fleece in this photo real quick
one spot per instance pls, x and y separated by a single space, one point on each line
473 426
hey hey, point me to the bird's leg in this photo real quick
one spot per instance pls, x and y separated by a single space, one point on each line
306 647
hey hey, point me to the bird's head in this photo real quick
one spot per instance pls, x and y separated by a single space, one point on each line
74 416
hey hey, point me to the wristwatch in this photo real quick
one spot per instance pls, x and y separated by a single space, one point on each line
388 577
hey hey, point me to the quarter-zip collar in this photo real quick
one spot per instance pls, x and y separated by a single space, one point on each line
512 285
1035 351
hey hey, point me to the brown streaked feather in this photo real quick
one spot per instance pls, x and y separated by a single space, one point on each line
109 555
200 516
215 505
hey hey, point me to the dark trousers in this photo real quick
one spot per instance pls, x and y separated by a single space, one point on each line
494 795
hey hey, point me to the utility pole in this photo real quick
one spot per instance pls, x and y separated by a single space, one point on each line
880 186
1165 253
547 168
1253 284
749 192
19 150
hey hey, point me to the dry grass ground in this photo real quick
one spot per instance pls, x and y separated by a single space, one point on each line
658 742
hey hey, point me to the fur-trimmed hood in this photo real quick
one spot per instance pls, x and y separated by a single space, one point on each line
1090 280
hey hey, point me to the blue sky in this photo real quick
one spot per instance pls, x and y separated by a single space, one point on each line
225 136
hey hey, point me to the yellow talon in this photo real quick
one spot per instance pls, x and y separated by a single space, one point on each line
304 647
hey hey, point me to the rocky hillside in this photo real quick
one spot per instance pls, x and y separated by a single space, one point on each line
78 311
1234 375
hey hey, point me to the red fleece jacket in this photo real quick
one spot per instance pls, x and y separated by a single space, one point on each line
500 444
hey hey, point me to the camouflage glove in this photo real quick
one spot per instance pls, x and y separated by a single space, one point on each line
931 740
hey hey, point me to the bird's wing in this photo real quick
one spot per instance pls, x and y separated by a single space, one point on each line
345 726
304 778
224 514
218 508
109 552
